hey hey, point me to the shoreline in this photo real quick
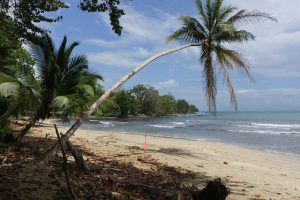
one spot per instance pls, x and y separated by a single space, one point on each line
209 140
250 174
287 154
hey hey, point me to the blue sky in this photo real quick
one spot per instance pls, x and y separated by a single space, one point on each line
274 56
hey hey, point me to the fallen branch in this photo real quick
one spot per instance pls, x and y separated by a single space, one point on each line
77 154
65 166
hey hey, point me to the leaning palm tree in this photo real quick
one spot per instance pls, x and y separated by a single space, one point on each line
217 25
61 79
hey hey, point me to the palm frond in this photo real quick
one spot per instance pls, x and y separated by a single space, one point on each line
225 12
216 5
87 89
191 32
202 13
60 57
75 65
209 79
4 77
244 16
70 48
26 99
59 102
233 36
235 60
222 61
9 89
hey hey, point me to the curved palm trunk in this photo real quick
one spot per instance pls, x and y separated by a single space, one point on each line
26 129
52 151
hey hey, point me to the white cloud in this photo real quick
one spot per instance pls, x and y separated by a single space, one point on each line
139 30
196 67
272 91
275 52
155 28
167 84
101 43
119 58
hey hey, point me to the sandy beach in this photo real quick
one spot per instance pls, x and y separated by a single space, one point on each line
249 174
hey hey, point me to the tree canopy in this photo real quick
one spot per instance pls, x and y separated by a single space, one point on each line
27 15
143 100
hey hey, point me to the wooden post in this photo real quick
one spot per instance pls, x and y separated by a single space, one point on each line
65 166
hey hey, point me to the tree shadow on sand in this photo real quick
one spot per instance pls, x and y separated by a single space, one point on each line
108 178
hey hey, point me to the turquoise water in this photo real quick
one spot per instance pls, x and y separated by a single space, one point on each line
278 132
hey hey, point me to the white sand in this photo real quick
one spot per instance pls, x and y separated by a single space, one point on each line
250 174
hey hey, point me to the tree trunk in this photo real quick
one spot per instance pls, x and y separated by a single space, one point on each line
26 129
77 154
52 151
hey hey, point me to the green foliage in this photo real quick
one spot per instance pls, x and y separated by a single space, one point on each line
126 103
143 100
150 102
182 106
11 51
26 15
218 24
63 84
193 109
167 105
108 108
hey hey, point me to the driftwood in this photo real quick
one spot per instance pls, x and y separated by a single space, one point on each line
65 165
77 154
159 193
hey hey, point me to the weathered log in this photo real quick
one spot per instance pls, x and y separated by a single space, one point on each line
65 165
28 126
77 154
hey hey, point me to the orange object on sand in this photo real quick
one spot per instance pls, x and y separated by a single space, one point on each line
145 144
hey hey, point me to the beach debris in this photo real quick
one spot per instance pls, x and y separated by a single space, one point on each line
65 166
225 163
77 154
214 190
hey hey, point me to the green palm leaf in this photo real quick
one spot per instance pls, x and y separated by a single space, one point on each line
218 25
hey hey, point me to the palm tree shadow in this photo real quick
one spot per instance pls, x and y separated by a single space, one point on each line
174 152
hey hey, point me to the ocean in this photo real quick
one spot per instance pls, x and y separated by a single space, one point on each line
277 132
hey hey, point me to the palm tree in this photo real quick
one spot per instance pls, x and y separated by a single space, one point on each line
218 25
61 80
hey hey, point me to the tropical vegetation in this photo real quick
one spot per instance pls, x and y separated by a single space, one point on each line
142 100
60 85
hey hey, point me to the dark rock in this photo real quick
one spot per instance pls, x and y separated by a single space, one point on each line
215 190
